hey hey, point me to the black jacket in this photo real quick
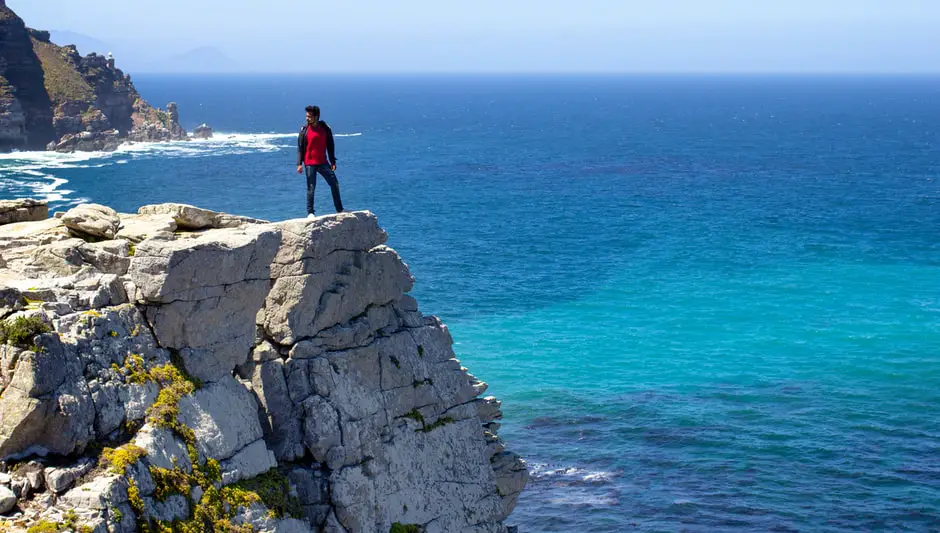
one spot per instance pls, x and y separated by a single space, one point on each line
302 144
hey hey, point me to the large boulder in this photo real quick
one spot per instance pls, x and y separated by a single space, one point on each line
93 220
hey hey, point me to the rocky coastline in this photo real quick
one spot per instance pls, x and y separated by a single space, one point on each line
53 98
179 369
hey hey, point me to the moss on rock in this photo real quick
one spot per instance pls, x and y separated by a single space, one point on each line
118 459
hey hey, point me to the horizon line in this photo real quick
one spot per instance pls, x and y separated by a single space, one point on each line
781 73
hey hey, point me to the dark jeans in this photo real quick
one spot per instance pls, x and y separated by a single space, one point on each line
331 180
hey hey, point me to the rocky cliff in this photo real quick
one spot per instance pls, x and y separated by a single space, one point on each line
25 109
184 370
52 97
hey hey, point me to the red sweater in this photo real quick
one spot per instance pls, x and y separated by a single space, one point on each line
316 146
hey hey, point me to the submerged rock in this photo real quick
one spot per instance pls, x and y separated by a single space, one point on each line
202 131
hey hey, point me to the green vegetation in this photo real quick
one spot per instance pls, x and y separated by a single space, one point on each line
274 491
6 90
420 351
70 524
216 508
169 482
441 422
22 330
398 527
44 526
415 415
177 361
63 82
118 459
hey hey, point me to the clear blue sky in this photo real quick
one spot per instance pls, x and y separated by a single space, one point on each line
514 36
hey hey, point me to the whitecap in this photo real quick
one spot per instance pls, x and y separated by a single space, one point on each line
570 474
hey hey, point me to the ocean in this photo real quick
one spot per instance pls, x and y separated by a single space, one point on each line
708 303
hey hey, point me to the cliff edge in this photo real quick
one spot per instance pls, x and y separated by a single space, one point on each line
184 370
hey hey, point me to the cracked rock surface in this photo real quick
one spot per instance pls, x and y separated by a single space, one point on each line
179 355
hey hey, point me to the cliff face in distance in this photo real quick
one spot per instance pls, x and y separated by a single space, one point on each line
184 370
25 108
51 96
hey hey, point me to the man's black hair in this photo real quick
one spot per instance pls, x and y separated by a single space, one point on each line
313 110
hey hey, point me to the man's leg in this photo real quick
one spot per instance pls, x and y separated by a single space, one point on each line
330 178
311 186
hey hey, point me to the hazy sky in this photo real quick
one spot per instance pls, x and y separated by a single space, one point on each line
512 35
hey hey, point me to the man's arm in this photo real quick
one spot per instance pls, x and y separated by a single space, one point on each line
330 145
301 142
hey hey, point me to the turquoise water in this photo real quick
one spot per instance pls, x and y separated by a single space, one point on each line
707 303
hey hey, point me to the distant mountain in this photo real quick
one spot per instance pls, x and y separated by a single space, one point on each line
202 59
84 43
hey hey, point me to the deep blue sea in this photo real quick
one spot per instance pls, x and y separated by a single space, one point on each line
707 303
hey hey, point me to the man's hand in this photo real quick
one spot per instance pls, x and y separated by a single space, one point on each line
300 169
333 167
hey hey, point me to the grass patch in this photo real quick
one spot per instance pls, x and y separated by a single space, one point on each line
22 330
63 82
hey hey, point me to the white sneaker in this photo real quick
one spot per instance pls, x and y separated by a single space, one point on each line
311 216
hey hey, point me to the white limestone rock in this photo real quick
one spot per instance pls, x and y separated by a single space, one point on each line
7 499
93 220
346 387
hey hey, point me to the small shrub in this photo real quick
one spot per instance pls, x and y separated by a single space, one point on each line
272 488
22 331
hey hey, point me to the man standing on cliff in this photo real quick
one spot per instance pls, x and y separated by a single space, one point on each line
314 144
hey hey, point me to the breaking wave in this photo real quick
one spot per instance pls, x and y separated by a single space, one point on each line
569 485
